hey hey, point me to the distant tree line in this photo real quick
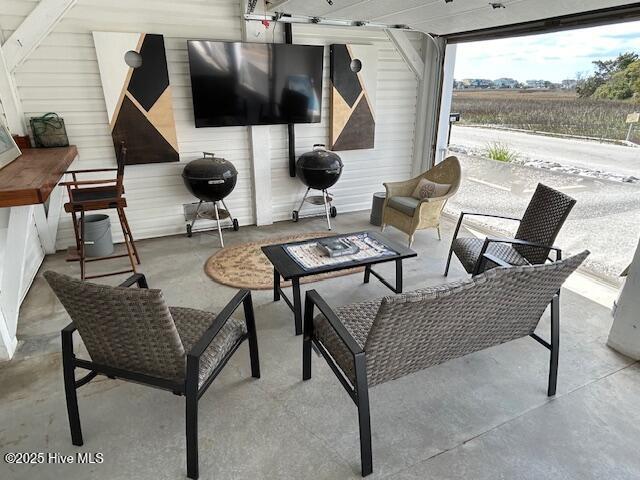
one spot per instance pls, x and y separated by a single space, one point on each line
616 79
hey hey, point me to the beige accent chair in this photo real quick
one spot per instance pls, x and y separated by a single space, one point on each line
409 214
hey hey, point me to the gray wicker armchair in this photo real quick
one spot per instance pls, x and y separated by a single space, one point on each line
133 335
373 342
539 227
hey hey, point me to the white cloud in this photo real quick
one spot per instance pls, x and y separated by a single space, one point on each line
552 56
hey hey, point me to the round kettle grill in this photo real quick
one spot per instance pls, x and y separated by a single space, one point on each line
211 179
318 169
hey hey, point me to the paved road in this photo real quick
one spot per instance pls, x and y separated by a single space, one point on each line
610 158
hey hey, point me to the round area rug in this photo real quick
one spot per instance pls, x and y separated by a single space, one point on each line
245 266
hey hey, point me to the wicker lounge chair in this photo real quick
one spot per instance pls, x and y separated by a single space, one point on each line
370 343
131 334
539 227
409 214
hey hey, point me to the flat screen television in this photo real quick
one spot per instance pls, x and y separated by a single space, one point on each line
236 83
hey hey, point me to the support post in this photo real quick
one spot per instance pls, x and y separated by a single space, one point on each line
260 146
428 106
444 127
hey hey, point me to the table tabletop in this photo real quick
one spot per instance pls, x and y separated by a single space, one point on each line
289 268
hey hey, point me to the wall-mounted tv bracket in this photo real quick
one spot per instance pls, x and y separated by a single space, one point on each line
291 129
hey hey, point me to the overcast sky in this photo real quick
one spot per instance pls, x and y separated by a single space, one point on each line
552 56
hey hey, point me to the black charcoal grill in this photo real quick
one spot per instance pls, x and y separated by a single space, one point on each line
319 169
211 179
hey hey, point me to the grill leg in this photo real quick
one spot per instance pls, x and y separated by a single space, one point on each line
228 211
215 207
195 216
326 207
303 199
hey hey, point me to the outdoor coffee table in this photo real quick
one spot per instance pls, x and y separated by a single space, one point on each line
285 267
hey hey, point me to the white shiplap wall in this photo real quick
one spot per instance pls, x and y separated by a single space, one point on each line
62 75
364 170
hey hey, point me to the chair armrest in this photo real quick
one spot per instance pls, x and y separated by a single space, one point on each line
313 298
516 241
138 279
221 319
511 241
491 215
87 182
91 170
478 214
400 189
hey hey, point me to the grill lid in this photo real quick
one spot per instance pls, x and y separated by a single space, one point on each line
319 159
209 167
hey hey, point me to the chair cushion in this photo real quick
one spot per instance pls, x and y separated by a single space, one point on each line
357 319
191 324
406 205
428 189
468 249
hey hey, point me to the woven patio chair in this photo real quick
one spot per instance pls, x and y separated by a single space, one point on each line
377 341
131 334
409 214
539 227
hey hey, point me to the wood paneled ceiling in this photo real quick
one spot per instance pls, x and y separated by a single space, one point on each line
439 17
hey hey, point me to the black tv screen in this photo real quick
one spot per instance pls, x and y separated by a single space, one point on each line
236 83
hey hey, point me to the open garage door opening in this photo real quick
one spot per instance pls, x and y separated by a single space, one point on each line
560 109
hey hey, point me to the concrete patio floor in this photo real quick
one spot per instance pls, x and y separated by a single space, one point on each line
484 416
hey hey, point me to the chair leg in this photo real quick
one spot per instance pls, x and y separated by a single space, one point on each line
555 345
446 269
253 337
76 231
191 396
410 240
81 252
127 242
308 338
70 391
125 225
439 234
383 227
364 420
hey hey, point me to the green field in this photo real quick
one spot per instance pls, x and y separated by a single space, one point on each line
552 111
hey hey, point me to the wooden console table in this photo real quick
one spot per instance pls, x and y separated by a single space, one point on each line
31 177
28 188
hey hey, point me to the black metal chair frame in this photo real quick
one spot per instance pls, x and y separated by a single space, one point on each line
359 392
190 388
512 241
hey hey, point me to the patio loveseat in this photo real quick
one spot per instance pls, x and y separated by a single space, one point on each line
377 341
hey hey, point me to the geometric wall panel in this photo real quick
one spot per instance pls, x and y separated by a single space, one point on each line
354 70
135 81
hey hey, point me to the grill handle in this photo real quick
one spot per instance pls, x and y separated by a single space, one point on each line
332 171
319 146
216 181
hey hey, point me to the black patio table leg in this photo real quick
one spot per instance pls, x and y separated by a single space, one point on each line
398 288
297 305
276 285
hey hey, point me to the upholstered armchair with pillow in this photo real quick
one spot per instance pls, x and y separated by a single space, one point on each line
417 204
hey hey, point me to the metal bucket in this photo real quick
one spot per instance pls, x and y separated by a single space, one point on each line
97 236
